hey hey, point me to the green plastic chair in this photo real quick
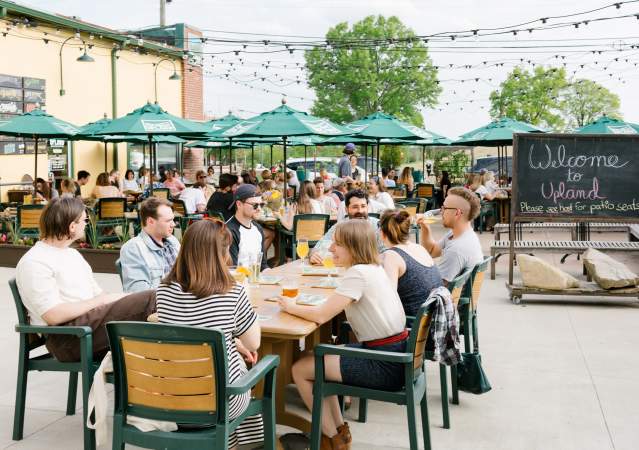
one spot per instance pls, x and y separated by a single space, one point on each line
118 268
33 338
110 213
183 219
487 209
425 191
28 220
164 193
310 226
180 374
413 393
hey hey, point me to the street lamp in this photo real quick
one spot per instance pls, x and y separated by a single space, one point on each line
85 57
173 77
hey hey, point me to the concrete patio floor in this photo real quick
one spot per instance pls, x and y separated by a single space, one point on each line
564 376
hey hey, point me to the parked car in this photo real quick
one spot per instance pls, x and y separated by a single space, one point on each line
490 163
323 162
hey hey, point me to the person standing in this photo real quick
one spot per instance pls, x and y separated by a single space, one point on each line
344 169
149 256
58 288
460 248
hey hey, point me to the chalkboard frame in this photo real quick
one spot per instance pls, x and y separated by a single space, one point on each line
558 217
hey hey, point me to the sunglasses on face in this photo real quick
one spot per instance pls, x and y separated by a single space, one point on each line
256 206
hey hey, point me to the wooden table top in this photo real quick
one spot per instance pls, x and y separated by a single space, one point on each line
275 322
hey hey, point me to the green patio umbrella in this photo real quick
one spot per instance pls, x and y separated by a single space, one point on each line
283 122
380 125
87 133
150 121
38 124
498 133
608 125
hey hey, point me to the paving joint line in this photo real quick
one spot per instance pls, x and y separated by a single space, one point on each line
592 380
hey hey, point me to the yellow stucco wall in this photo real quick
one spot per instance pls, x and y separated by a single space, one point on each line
88 91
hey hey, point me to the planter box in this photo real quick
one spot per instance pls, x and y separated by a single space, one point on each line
101 261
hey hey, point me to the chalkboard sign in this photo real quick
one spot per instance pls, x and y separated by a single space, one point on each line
575 177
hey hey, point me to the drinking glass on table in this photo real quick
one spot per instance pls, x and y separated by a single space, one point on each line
290 288
328 263
302 249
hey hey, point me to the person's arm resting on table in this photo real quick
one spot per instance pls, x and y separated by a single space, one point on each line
320 314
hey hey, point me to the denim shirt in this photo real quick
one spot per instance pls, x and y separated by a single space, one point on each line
143 263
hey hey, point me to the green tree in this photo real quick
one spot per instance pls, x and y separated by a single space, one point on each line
584 101
532 97
391 156
376 64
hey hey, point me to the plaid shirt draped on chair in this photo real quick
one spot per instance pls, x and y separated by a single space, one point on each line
444 341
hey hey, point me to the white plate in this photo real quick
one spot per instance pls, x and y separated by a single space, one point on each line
270 279
310 299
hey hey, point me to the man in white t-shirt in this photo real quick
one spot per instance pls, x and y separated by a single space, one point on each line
57 285
193 197
248 236
460 248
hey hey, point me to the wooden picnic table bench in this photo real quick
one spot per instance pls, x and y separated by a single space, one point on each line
497 248
600 227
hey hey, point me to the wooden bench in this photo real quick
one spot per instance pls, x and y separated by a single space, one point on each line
600 227
497 248
586 289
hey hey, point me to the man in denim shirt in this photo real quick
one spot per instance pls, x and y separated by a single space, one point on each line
149 256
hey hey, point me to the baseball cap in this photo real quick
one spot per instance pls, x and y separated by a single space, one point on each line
338 182
349 148
244 192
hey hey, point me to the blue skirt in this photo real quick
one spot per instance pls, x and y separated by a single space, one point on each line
367 373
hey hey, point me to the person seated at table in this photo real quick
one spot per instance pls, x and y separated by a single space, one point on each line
83 179
193 197
408 265
58 288
143 176
406 178
327 204
377 192
129 184
114 178
211 177
221 202
67 188
208 189
42 191
356 203
150 255
444 185
356 173
388 177
104 189
249 238
376 316
486 187
173 183
200 291
459 249
338 191
266 175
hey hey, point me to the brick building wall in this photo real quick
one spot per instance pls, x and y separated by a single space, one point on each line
192 108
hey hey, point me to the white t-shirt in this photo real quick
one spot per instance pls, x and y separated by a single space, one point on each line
376 311
250 243
385 199
192 197
48 276
317 207
328 204
482 191
130 185
459 254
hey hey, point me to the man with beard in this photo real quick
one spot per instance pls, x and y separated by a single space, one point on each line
356 202
460 248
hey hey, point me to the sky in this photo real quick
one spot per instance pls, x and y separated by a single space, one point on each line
463 106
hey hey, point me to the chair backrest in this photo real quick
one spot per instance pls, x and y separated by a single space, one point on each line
310 226
111 208
375 215
161 193
118 268
418 336
456 285
424 190
178 207
33 340
169 372
29 216
397 191
411 206
477 279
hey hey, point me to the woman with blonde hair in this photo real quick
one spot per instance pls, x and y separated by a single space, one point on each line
408 265
67 188
406 178
200 291
377 318
104 189
306 204
377 192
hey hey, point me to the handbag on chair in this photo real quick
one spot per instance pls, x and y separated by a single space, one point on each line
471 376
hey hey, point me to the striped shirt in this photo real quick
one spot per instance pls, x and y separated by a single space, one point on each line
230 313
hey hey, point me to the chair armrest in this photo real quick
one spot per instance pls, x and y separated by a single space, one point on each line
376 355
79 331
265 365
409 321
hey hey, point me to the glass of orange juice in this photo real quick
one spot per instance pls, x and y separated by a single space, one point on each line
328 263
290 288
302 249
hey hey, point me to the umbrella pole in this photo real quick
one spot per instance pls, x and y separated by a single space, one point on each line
271 157
253 155
219 161
230 155
378 161
365 163
285 180
152 169
36 162
424 163
305 156
105 156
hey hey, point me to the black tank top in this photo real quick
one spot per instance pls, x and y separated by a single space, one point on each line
415 285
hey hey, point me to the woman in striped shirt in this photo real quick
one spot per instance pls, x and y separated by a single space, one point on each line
200 291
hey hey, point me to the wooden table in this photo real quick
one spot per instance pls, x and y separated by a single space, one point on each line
503 209
283 333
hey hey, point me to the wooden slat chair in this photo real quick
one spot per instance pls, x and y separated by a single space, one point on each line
413 393
486 209
163 193
427 192
28 220
181 216
397 191
305 226
415 206
468 305
110 213
33 338
180 374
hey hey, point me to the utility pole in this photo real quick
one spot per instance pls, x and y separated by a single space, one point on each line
163 12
